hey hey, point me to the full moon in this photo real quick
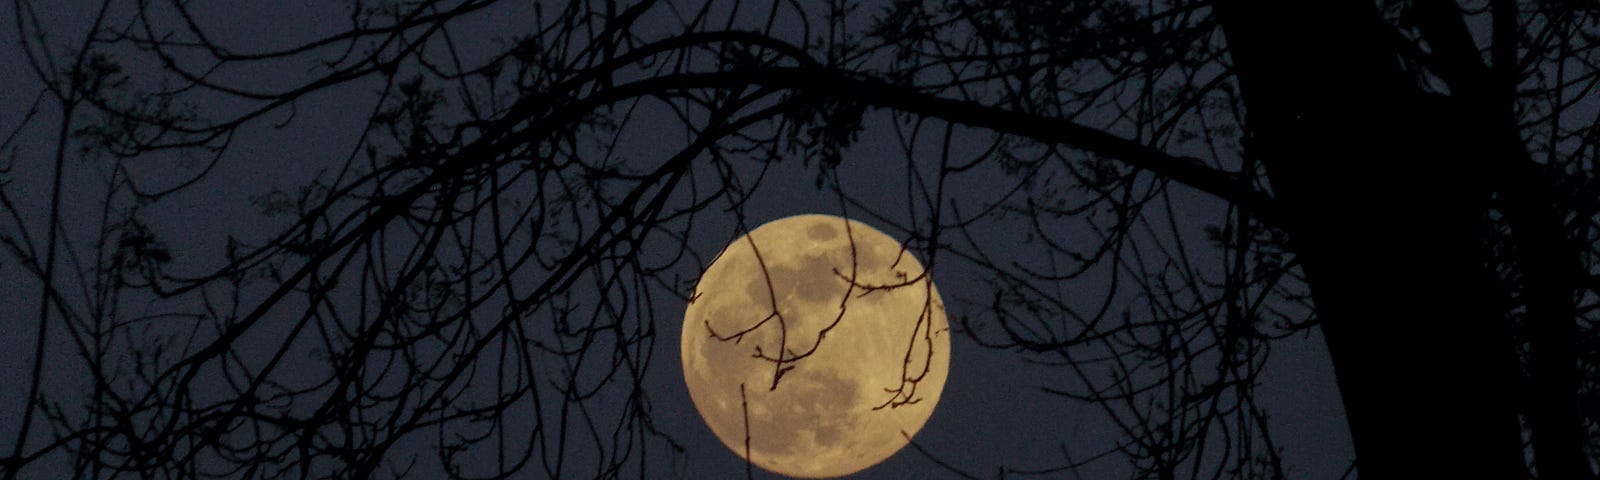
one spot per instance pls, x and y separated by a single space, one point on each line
817 344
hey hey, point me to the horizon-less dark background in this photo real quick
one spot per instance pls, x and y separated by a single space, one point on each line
993 412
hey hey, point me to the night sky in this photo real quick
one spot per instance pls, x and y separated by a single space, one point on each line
993 412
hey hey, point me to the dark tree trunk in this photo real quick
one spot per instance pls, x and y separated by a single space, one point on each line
1385 207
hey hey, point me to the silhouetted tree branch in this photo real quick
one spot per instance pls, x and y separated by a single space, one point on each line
475 272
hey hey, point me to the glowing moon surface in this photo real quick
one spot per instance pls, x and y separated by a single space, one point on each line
862 361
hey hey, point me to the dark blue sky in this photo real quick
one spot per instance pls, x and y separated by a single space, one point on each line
993 412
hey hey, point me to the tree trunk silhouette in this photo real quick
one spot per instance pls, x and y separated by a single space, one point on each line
1168 190
1385 205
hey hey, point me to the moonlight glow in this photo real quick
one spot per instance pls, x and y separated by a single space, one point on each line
852 399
